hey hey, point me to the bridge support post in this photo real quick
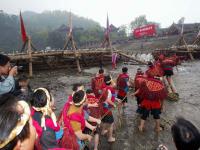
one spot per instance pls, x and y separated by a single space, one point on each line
29 51
190 54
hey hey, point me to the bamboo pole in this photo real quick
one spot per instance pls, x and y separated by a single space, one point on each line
29 51
196 40
74 48
130 57
24 56
76 55
190 54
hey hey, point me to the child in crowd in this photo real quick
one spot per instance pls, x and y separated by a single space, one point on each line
23 89
44 119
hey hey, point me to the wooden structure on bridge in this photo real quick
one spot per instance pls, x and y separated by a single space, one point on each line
182 48
70 40
61 58
70 56
56 58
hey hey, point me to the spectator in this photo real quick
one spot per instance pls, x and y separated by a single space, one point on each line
16 130
185 135
49 132
7 73
23 89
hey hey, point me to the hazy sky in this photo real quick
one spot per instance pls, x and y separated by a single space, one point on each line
119 11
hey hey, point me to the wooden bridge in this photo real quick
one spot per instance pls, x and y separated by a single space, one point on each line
59 58
95 56
67 58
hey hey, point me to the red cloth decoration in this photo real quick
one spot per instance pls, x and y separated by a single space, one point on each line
23 31
69 139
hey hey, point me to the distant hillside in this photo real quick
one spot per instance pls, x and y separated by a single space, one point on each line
42 26
9 31
54 19
48 29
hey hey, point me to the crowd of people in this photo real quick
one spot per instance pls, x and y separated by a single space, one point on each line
28 121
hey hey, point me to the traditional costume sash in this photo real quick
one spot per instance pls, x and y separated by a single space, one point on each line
79 117
69 139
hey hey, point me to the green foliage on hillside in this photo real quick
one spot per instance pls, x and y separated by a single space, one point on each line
48 29
9 31
141 21
52 20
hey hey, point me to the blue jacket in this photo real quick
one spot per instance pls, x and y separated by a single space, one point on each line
6 84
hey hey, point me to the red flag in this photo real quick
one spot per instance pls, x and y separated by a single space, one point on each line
23 31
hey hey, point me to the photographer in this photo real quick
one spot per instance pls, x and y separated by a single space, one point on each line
7 73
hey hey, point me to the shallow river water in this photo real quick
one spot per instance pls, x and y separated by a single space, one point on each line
187 81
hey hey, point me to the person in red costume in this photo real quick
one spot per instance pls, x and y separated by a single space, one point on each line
123 88
75 119
152 93
107 100
167 66
98 83
94 112
139 74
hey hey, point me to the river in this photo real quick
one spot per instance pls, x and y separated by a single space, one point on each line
127 135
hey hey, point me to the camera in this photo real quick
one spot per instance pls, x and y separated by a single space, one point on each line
19 68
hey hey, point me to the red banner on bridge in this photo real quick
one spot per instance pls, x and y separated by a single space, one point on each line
148 30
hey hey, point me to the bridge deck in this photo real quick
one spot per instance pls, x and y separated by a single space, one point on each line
70 53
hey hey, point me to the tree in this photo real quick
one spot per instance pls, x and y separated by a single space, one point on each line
40 39
181 20
122 32
139 21
55 40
